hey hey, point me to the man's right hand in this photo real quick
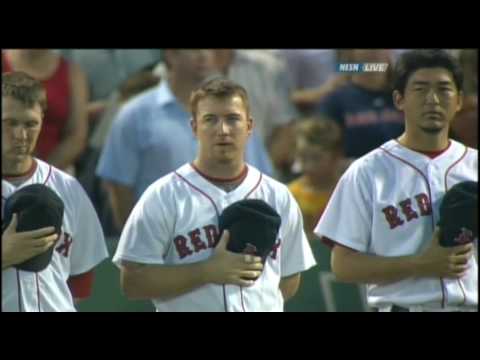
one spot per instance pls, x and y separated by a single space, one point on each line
438 261
226 267
18 247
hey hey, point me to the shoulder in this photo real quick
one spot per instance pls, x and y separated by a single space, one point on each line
163 189
278 192
63 181
362 169
142 102
464 154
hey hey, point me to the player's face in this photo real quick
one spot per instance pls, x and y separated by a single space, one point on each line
222 127
21 126
315 161
430 101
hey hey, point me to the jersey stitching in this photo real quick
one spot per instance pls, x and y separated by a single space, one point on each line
241 297
48 175
38 292
200 191
255 187
19 291
442 285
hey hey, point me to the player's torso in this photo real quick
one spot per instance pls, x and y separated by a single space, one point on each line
406 194
197 206
46 290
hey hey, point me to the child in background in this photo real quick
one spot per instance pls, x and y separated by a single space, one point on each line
319 152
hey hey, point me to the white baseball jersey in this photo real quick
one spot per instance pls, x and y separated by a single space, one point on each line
176 222
387 204
80 247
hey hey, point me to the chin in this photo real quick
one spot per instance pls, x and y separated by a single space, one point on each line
225 159
432 130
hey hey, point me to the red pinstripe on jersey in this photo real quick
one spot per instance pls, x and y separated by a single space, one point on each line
442 284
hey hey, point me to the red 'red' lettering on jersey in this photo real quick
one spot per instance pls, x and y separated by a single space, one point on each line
391 215
181 245
66 242
273 254
424 204
212 235
407 210
197 242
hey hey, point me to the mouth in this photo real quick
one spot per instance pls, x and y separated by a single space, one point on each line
432 112
224 144
20 148
434 115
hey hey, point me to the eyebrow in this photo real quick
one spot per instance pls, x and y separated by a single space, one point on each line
420 82
229 114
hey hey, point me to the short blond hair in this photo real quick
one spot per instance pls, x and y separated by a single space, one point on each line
220 88
24 88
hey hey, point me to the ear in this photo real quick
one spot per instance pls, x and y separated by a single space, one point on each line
250 125
398 100
193 124
460 101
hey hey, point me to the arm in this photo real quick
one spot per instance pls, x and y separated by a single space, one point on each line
311 96
289 286
351 266
75 133
121 200
140 281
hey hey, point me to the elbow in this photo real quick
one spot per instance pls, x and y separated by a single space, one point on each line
340 267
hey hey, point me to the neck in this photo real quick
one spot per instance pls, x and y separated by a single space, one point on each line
182 88
217 170
16 168
424 142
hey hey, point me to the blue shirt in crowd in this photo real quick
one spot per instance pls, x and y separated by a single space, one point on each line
369 118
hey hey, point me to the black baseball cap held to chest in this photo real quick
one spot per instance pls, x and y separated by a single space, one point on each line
253 225
36 206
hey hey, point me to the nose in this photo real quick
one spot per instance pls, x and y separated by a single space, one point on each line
432 97
20 133
224 127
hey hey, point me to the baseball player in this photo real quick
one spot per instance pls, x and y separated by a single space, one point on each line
80 246
170 250
381 219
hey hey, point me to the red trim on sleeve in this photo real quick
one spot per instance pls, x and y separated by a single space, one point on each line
81 285
331 243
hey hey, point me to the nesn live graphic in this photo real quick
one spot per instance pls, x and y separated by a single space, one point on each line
361 67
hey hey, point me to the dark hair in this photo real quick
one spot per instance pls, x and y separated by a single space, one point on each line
218 87
411 61
24 88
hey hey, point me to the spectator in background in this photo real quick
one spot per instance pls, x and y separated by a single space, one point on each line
312 74
282 154
65 127
364 107
464 127
135 84
152 136
319 151
106 69
264 77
